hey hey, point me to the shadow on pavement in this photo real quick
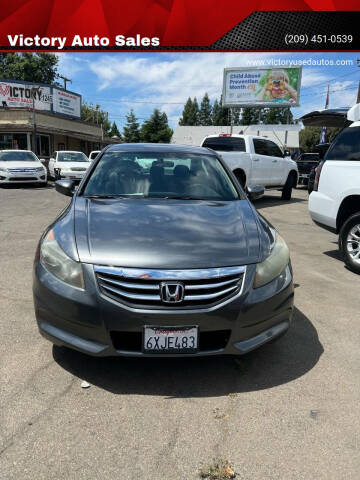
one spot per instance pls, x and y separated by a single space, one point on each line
274 364
270 201
27 186
334 254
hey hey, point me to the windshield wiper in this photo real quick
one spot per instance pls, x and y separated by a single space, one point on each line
182 197
106 196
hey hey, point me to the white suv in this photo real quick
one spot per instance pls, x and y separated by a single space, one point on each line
335 202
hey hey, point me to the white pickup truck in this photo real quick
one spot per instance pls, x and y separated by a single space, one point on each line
256 161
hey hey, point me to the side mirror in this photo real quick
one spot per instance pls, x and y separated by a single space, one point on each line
255 191
42 160
287 153
65 187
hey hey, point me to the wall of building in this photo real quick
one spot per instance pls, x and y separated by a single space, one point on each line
281 134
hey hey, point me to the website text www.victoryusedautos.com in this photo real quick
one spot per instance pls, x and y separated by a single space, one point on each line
285 62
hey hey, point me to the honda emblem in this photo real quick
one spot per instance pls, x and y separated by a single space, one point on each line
172 292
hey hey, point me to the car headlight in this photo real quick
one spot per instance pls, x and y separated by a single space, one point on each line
275 263
3 169
39 169
55 260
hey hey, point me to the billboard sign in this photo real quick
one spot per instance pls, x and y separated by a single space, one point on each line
261 87
66 103
14 93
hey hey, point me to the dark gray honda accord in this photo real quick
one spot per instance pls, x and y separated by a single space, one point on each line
161 253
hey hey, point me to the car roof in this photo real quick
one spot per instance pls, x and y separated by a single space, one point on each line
238 135
157 148
16 150
69 151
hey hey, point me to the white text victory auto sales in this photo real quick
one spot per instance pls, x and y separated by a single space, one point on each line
80 41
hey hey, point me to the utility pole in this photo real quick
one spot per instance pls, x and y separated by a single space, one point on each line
65 80
358 95
33 92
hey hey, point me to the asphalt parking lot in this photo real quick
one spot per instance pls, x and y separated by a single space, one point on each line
287 411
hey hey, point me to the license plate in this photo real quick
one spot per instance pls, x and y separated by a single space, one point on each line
183 339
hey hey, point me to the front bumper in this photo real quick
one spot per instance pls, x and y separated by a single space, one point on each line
34 177
323 210
68 174
91 323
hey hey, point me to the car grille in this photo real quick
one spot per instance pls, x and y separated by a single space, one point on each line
22 170
141 289
22 179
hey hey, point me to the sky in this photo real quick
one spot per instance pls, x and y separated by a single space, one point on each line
146 80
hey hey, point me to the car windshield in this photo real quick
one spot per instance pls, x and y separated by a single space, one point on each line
72 157
16 156
163 175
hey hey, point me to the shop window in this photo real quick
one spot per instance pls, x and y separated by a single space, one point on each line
20 141
6 142
43 145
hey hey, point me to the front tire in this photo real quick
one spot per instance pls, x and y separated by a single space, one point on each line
349 242
287 189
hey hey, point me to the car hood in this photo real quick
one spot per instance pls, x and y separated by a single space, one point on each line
17 164
173 234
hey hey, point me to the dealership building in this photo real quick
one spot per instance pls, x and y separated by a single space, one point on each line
53 113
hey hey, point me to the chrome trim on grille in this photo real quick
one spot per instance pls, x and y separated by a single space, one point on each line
189 274
23 170
130 285
139 289
210 295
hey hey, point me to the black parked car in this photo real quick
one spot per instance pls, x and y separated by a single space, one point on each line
305 163
161 253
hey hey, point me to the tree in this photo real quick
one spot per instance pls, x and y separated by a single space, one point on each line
114 131
156 129
309 137
190 114
94 114
277 115
30 67
205 111
219 113
195 112
186 113
251 116
131 131
235 116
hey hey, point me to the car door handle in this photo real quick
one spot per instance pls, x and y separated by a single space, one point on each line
256 159
274 161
